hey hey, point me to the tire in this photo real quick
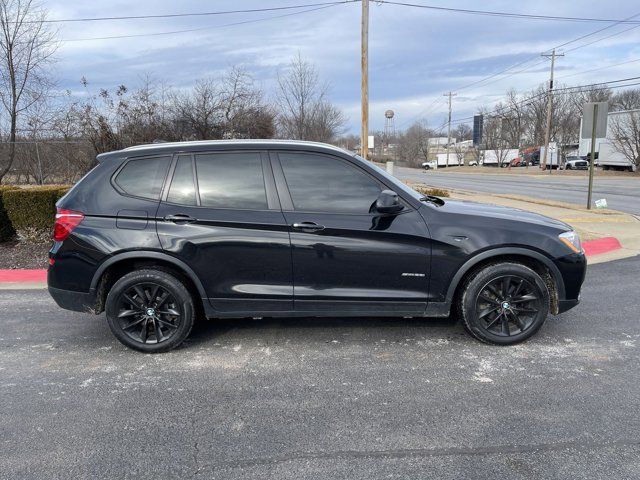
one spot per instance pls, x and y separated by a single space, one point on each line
488 311
150 311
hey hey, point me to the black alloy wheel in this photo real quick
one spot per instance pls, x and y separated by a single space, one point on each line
504 303
148 313
508 305
150 310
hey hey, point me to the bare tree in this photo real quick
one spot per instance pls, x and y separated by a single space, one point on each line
245 114
494 138
625 135
413 144
463 132
27 45
304 110
626 100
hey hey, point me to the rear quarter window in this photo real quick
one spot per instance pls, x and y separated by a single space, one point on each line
143 177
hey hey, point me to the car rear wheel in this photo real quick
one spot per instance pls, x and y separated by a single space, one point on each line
504 303
150 311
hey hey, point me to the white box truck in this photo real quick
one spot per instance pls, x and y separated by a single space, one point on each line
608 157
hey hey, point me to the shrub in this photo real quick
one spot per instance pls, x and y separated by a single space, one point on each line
32 211
6 229
437 192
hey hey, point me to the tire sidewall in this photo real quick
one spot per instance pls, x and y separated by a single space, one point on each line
173 285
486 275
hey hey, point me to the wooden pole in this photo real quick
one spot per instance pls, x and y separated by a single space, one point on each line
364 135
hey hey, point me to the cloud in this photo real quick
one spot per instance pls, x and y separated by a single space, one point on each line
415 55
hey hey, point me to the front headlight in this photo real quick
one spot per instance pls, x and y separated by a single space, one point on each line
572 240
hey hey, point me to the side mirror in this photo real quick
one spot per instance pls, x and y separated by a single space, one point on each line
388 202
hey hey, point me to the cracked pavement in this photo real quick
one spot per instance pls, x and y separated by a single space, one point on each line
325 398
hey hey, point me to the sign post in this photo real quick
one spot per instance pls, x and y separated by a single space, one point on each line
595 116
592 157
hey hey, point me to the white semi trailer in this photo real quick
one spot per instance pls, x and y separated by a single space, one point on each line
608 156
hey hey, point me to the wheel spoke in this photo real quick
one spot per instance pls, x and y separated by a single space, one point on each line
170 311
128 313
144 332
518 287
163 298
487 311
494 321
488 299
154 293
133 324
493 290
505 325
141 293
157 330
524 310
506 282
130 299
167 324
525 298
518 321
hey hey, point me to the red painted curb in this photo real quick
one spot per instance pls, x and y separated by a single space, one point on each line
600 245
22 276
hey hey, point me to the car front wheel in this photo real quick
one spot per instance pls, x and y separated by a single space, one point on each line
504 303
150 311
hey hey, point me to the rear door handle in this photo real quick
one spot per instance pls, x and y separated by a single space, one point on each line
308 226
180 218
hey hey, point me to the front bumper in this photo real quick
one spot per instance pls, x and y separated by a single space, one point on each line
564 305
71 300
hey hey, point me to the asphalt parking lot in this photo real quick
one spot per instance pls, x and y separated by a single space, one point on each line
325 398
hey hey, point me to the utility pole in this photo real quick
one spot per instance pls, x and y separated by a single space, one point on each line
449 126
364 135
547 131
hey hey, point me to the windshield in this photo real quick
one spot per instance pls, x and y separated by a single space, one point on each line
394 180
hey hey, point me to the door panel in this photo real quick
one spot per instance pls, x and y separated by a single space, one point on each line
351 260
241 255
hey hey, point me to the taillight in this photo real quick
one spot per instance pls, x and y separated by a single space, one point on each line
66 221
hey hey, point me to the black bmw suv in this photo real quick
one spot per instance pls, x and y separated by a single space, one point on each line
157 235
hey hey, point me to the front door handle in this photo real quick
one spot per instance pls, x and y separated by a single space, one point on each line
180 218
308 226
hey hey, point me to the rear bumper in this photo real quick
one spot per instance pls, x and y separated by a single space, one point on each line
76 301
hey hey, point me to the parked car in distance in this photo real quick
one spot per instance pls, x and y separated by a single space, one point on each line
518 162
576 163
431 165
157 235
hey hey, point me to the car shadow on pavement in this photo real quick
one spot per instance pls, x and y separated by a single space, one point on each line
320 329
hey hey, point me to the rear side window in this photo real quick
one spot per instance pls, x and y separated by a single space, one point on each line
231 180
143 177
183 190
319 183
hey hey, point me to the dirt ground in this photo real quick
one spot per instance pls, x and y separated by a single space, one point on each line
17 254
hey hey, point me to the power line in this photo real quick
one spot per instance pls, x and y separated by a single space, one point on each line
562 91
509 14
189 14
582 37
599 68
211 27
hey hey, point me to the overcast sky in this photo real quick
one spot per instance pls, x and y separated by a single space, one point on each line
415 54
